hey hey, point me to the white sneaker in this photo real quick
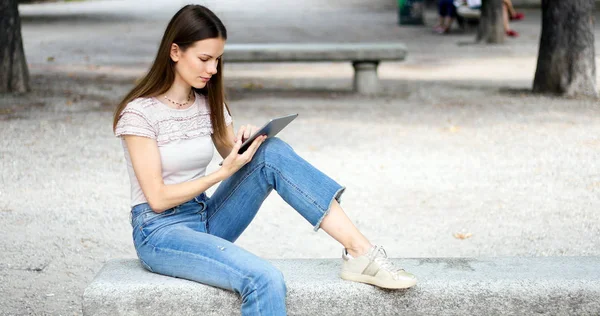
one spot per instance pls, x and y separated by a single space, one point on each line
375 268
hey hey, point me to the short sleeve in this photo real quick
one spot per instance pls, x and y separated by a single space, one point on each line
134 122
228 118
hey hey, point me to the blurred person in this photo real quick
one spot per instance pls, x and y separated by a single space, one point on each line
169 125
471 9
509 13
512 13
467 11
447 14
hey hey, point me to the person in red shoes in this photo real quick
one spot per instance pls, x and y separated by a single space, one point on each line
512 13
472 9
509 13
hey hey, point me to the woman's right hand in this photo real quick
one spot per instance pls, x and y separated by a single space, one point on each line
234 161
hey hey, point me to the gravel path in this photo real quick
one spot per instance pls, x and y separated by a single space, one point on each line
447 148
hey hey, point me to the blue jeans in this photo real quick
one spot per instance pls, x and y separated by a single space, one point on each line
194 240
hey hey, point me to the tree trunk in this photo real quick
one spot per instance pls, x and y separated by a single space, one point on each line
14 75
491 27
566 59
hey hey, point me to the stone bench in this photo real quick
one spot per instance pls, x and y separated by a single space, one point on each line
498 286
365 57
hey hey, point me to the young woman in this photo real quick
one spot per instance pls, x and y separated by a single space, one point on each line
169 124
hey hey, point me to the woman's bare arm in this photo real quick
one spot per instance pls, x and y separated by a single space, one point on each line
225 149
145 159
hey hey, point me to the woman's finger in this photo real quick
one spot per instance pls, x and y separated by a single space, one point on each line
240 133
254 147
236 146
234 150
247 131
253 129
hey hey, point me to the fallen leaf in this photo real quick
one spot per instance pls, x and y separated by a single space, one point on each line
593 142
594 185
462 235
453 129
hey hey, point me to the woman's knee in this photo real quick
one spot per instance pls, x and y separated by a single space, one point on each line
274 147
271 278
275 143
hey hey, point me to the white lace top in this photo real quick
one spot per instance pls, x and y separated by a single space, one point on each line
183 138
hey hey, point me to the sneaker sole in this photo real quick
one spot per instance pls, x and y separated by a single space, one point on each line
393 285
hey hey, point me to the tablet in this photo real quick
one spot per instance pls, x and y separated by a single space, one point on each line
270 129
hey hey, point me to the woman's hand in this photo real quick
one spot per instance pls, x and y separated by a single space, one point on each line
234 161
246 131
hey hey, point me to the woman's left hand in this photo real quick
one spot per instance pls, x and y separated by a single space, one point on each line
247 131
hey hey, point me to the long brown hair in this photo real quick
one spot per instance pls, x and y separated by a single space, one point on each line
190 24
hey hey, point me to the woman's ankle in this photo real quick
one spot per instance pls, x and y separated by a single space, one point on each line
358 251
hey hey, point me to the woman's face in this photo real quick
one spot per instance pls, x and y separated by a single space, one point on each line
198 63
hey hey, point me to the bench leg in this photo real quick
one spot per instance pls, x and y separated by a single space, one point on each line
365 77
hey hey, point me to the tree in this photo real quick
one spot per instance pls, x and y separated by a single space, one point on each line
566 59
491 27
14 74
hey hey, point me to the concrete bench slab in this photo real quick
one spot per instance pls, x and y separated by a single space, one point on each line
365 57
498 286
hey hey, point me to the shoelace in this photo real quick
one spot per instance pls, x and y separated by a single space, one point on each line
379 255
